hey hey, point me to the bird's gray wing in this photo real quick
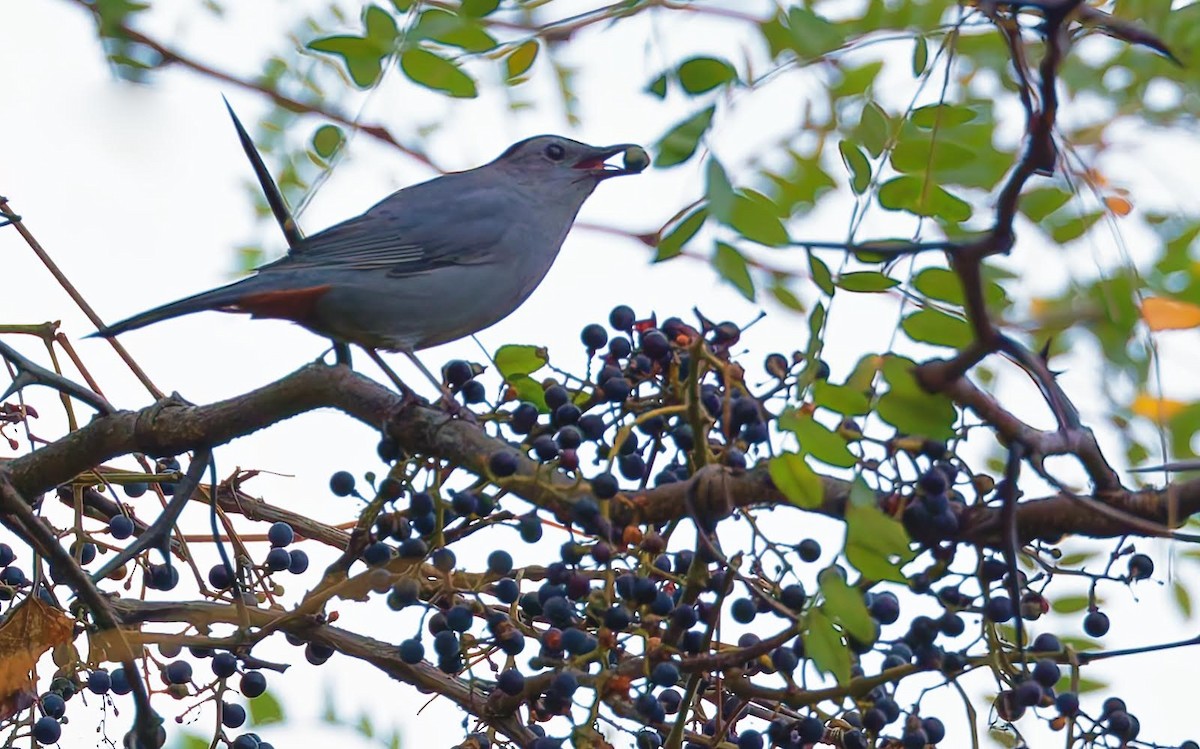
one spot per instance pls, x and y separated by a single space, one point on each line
416 230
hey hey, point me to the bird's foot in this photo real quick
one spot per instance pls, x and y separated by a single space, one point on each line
457 410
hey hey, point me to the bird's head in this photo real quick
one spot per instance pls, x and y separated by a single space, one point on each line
553 160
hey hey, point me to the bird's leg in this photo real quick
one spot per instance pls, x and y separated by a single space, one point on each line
341 354
410 395
447 402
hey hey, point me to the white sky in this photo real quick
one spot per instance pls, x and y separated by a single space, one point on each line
137 192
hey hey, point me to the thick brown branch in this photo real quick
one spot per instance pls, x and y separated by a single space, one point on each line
171 427
383 655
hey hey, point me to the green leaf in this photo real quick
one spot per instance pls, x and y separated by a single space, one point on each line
518 62
327 140
265 710
929 157
718 191
672 243
435 72
775 34
528 389
453 30
784 295
856 80
818 440
823 644
1183 599
876 543
365 726
658 87
702 74
189 740
796 480
1039 202
909 408
1073 227
921 197
840 398
380 27
874 129
756 218
518 359
866 281
937 328
731 265
479 8
920 58
857 164
812 35
938 116
816 321
1069 604
941 284
1074 560
820 274
678 145
362 57
329 709
845 605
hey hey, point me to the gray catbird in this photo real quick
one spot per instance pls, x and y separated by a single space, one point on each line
431 263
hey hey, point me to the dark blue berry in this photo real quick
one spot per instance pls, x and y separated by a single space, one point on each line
278 559
120 682
54 705
281 534
121 527
556 395
376 554
1095 624
412 651
232 715
297 561
999 609
252 684
46 730
502 463
545 448
655 344
224 665
457 372
594 337
474 392
524 418
342 484
622 318
99 681
178 672
511 682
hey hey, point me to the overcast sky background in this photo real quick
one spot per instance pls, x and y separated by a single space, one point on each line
138 193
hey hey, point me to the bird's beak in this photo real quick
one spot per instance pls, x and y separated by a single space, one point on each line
594 162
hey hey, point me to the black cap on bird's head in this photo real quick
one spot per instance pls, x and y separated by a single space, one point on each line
550 153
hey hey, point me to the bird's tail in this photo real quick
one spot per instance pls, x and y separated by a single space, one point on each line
223 297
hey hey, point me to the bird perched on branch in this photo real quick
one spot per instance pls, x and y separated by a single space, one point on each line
430 263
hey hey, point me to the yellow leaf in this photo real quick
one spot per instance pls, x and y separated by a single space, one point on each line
31 629
1159 410
1118 205
1170 314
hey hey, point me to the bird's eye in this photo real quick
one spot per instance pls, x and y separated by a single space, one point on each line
555 152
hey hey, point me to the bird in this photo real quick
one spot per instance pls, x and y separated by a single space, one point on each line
430 263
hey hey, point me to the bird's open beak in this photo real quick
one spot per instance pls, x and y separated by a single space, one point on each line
635 160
